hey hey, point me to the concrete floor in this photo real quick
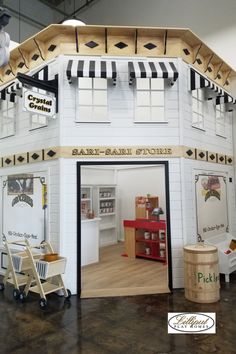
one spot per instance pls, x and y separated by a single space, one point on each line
124 325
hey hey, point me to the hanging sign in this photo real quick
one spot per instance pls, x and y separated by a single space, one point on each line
23 215
212 207
39 103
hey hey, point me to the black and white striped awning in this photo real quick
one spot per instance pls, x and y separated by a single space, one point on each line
10 92
198 81
91 68
153 70
14 89
228 101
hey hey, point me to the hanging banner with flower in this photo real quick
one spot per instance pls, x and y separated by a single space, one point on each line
211 205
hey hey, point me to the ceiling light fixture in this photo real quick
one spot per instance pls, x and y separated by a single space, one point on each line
73 21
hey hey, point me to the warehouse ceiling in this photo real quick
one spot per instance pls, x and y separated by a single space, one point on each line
29 17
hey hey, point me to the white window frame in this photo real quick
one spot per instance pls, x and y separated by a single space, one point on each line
7 119
146 88
198 103
92 110
221 116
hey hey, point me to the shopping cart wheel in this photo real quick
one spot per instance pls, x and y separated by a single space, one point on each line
69 294
16 294
43 303
2 286
22 296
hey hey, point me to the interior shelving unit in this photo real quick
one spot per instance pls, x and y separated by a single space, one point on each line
105 207
146 239
86 201
146 235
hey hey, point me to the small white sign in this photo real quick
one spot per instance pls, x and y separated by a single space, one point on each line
39 103
191 322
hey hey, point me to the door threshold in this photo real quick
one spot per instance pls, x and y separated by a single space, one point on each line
88 293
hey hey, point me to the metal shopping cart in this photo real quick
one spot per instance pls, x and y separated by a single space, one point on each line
47 275
18 271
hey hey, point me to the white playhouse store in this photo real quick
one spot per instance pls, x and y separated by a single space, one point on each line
116 147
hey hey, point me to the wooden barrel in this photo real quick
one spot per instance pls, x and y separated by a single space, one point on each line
201 273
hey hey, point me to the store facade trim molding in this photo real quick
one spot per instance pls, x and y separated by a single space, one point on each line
123 152
108 41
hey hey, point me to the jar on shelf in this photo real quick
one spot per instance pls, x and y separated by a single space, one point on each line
147 235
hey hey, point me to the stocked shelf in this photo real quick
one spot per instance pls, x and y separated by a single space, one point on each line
146 238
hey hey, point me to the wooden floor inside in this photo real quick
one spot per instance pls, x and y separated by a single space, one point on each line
116 275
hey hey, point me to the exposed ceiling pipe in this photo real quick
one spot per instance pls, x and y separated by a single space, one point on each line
14 12
53 7
73 14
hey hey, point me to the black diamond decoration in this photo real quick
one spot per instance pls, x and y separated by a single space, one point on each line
8 72
91 44
189 152
7 161
186 51
150 46
199 61
230 160
35 57
227 83
121 45
21 64
221 159
20 158
35 156
209 69
52 47
218 76
201 155
51 153
212 157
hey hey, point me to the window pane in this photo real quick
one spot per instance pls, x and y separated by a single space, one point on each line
34 118
85 82
142 114
99 83
142 84
143 98
42 120
194 94
85 97
195 118
11 113
200 94
85 114
194 105
158 114
100 113
157 84
201 125
100 98
157 98
200 107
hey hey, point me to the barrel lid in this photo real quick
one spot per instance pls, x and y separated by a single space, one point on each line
200 248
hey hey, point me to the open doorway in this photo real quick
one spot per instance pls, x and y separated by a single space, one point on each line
123 228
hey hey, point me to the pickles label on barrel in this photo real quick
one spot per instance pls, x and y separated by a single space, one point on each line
209 278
